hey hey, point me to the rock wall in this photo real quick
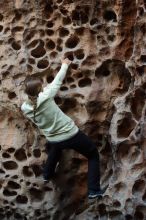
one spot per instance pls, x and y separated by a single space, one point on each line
104 92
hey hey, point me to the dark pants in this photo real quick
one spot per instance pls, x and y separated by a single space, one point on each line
82 144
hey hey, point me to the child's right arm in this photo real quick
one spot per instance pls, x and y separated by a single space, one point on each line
51 89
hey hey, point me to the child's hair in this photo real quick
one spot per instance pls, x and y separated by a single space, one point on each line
33 86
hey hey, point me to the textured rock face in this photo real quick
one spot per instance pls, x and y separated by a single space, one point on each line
104 92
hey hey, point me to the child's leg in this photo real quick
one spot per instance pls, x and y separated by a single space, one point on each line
54 155
93 171
85 146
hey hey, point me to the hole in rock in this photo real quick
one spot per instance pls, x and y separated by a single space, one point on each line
143 28
69 55
42 33
6 192
140 70
33 43
138 187
138 215
120 187
18 216
79 54
55 7
9 214
74 66
49 79
6 155
29 154
80 16
59 48
11 150
50 24
2 216
1 17
28 183
21 199
123 130
115 215
75 15
36 194
5 202
143 58
59 41
59 1
11 95
2 171
85 82
1 28
80 30
111 37
102 209
37 212
1 210
49 32
39 51
110 15
36 169
70 79
53 55
16 46
13 185
7 206
141 11
15 177
17 29
22 61
29 35
102 71
94 21
42 64
58 100
137 103
135 153
18 15
66 20
27 171
31 61
72 42
10 165
69 104
63 11
64 88
128 52
79 75
63 32
29 68
50 44
116 204
37 152
90 60
20 155
128 217
49 8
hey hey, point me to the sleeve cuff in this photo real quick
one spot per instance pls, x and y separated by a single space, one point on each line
64 66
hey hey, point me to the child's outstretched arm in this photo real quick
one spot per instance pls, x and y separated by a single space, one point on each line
51 89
